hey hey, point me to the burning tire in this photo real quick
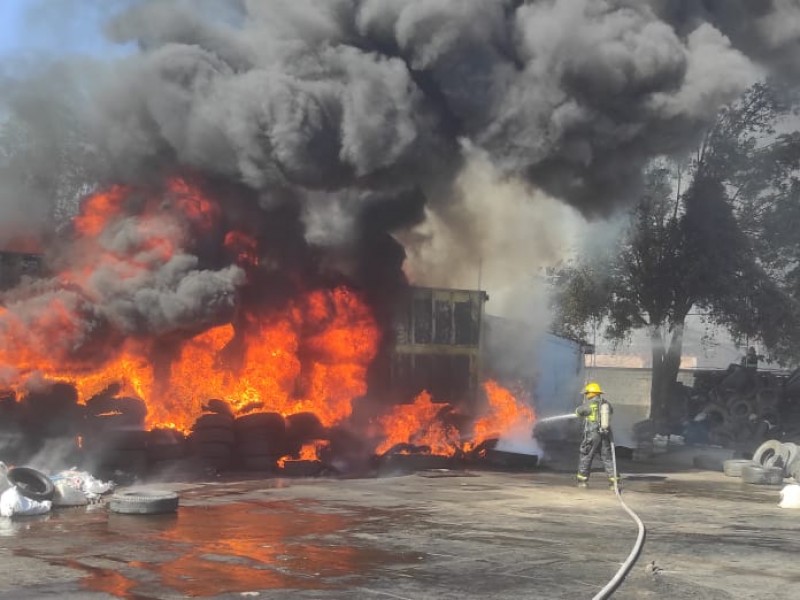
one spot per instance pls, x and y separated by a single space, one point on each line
733 468
261 438
213 420
139 502
304 427
124 411
762 475
212 440
32 484
270 423
52 413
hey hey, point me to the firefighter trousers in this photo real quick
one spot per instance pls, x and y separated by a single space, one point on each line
595 443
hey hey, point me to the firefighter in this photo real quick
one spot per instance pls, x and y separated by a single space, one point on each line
596 434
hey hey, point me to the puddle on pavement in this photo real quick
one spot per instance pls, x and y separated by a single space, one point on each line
230 548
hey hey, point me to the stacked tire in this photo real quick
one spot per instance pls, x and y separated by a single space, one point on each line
260 440
115 437
165 446
771 462
212 440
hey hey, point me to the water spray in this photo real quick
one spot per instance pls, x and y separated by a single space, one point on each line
556 418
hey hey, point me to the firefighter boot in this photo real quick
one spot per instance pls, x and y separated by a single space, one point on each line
614 481
583 481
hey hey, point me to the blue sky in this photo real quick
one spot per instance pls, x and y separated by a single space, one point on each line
56 27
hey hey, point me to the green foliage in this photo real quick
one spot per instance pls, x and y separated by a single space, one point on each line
729 246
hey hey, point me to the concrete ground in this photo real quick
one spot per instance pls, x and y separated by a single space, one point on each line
477 535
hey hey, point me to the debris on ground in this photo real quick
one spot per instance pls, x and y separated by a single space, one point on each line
27 491
13 503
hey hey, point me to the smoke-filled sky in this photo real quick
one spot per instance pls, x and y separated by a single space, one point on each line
498 114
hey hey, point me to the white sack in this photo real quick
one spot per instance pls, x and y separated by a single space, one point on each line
12 503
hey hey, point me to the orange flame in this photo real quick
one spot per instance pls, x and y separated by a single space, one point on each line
506 414
310 355
309 451
421 423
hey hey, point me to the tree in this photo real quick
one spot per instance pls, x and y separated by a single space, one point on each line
688 251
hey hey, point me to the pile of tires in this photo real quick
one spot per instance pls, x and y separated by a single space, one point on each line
165 446
771 462
260 440
115 438
212 440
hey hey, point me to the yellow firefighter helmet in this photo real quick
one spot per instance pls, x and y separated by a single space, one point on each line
592 389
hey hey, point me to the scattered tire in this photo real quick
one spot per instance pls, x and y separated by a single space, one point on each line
733 467
32 484
141 502
762 475
767 450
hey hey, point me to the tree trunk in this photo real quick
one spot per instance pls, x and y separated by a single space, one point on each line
666 363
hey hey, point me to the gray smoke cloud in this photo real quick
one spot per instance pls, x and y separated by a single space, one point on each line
340 106
571 95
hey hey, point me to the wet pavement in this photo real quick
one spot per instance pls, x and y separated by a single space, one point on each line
420 536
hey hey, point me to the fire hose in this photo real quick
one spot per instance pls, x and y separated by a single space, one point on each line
626 567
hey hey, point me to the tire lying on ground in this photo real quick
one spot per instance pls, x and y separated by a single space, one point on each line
143 502
766 451
32 484
733 467
762 475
